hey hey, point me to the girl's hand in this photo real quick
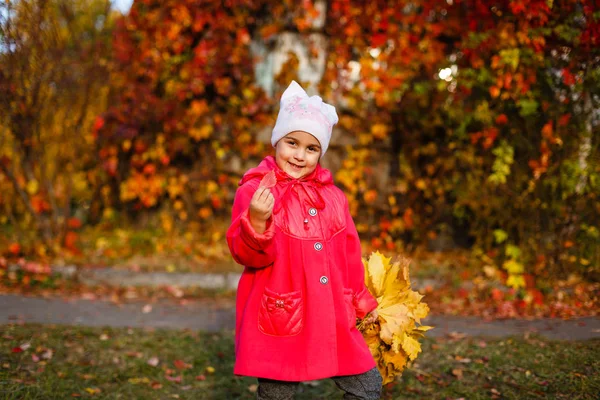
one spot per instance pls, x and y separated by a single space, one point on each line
261 208
372 317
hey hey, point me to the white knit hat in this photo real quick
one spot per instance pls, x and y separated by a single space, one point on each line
298 112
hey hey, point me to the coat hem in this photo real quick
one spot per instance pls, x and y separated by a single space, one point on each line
307 377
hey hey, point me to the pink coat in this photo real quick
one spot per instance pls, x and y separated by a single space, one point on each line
303 283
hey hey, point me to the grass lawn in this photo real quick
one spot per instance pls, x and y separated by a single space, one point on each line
55 362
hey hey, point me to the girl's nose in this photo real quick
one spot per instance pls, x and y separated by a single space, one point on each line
299 155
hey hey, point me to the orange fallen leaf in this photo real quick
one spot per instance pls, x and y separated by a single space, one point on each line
458 372
180 364
155 385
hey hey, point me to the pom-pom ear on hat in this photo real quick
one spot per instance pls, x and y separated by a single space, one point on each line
299 112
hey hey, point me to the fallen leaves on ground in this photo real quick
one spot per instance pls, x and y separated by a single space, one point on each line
490 301
459 292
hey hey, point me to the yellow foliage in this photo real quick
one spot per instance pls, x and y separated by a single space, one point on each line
515 270
516 281
33 186
199 107
203 132
379 131
393 338
513 267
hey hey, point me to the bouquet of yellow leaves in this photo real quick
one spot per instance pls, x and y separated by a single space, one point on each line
393 337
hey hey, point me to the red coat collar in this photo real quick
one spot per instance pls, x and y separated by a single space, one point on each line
305 188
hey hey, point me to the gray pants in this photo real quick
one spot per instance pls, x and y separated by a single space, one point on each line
366 386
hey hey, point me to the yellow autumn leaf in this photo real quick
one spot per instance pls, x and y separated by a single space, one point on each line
394 293
423 328
398 358
377 269
420 331
136 381
391 281
373 343
392 364
395 320
393 338
411 346
420 311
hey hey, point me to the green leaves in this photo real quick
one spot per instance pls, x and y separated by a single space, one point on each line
510 57
501 167
527 107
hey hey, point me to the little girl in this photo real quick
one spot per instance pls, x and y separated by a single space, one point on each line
303 283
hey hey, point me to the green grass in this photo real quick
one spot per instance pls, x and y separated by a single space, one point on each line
113 364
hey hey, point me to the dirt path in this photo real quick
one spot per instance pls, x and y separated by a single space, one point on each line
212 316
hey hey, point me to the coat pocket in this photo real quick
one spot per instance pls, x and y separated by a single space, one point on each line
281 314
350 307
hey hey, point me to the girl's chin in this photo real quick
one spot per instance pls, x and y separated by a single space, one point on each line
295 173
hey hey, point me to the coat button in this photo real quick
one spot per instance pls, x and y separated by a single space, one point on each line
318 246
312 212
324 280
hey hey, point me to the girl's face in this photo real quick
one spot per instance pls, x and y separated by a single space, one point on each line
298 153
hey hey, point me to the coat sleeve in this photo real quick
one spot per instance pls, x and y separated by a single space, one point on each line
248 247
363 300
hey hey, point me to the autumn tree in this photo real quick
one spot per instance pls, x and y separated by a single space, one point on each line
455 115
187 108
487 110
53 77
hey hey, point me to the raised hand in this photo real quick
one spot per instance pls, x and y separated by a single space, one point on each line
261 208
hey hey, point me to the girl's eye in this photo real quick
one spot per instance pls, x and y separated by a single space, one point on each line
312 149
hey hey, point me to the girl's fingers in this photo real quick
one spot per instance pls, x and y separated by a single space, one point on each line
259 192
264 194
256 196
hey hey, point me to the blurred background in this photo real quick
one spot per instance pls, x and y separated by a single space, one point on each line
468 141
468 131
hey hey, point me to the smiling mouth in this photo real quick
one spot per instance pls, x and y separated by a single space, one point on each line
294 166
